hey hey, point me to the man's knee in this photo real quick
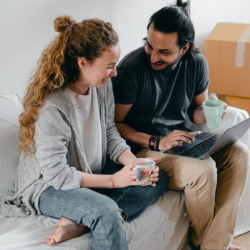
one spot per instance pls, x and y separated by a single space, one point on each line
239 156
240 150
235 154
205 174
191 169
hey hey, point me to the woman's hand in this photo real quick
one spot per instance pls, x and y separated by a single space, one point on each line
154 176
175 138
154 173
127 176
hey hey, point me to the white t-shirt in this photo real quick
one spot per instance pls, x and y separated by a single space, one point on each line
86 119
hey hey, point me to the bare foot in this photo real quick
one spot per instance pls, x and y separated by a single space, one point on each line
233 247
66 230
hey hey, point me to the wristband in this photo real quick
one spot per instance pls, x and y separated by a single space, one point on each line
155 140
151 142
158 142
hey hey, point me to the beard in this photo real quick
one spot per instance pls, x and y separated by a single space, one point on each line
161 65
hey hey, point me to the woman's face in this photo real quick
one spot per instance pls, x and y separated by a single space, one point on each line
101 69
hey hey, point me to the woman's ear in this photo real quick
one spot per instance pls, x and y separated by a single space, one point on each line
82 62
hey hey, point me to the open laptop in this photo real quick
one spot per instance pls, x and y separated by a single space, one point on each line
206 144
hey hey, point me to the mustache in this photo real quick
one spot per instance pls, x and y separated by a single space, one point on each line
158 62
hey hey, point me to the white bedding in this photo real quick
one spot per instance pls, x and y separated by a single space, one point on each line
162 226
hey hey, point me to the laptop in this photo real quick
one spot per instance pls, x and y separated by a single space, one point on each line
206 144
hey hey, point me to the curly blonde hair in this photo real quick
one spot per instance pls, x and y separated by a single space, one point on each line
58 67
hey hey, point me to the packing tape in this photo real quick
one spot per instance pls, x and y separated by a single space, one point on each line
240 50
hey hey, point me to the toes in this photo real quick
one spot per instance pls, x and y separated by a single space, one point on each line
57 238
51 239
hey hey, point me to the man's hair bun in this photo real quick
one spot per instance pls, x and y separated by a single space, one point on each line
183 5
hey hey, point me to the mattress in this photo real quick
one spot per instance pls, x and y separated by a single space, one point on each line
162 226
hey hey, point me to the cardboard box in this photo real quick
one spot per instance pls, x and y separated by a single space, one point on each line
227 49
237 102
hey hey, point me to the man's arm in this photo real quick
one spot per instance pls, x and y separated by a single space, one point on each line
174 138
127 132
196 114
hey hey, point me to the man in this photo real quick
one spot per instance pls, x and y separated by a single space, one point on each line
157 86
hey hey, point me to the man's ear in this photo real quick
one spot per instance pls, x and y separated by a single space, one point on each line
185 48
82 62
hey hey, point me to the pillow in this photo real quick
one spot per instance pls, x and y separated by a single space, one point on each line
10 109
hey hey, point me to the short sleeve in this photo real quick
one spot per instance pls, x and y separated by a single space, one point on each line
125 87
202 75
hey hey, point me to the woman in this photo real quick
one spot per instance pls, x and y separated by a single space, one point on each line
67 131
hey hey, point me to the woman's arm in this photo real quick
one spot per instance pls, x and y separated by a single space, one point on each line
95 180
125 157
123 178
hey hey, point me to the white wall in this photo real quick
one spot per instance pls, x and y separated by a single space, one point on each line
26 27
205 14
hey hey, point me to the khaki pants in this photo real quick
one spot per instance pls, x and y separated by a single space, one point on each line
213 189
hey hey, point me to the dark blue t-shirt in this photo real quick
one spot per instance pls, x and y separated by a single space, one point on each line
160 98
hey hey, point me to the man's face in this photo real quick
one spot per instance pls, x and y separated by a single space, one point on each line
162 49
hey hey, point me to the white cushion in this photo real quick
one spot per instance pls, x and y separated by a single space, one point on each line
163 225
10 109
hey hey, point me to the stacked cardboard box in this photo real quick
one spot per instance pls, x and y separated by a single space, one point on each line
227 50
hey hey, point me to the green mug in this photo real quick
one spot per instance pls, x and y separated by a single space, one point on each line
213 110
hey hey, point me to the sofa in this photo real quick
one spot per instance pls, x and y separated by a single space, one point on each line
162 226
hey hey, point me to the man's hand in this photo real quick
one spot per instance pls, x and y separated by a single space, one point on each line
224 106
198 115
175 138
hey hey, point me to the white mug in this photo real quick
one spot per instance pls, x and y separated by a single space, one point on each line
146 163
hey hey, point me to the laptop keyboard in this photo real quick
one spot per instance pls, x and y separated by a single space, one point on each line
200 149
